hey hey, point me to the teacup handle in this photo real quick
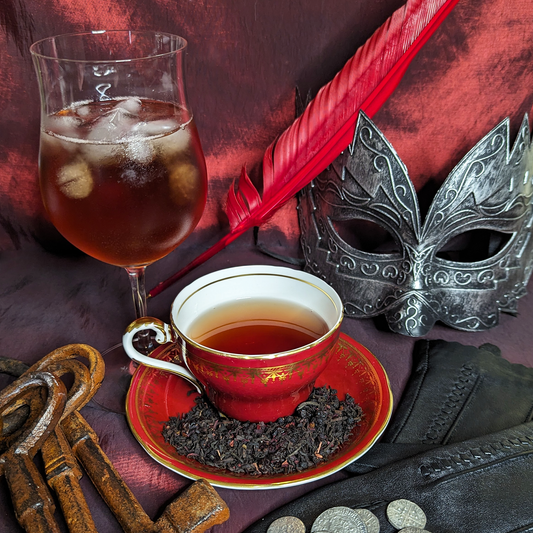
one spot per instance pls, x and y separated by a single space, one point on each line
163 335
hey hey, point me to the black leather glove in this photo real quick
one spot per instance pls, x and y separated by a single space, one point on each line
482 485
457 392
460 445
454 393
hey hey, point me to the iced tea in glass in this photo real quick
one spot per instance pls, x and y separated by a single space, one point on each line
122 171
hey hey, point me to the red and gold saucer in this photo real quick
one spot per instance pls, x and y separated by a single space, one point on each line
154 396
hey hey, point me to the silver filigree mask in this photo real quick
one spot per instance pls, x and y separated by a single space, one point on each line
416 283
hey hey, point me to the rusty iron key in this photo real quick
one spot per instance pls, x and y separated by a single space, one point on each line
194 511
186 513
178 517
208 510
61 467
32 502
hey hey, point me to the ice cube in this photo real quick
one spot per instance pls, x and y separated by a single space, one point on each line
60 135
140 150
134 177
174 145
83 110
54 146
66 125
63 125
106 137
75 180
183 184
156 128
102 154
131 105
117 123
113 126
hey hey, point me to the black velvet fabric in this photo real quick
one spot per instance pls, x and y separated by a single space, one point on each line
460 445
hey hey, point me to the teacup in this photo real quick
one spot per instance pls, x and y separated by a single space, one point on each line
253 338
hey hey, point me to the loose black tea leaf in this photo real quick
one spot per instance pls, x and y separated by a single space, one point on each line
316 431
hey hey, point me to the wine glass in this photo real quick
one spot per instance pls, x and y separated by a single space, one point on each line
122 171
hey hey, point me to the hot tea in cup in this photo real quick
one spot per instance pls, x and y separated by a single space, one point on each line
254 338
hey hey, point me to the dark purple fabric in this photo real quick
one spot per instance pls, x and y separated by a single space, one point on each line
95 308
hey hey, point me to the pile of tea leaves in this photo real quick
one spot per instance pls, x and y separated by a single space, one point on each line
316 431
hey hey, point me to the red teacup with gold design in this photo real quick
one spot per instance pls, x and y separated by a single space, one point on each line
253 338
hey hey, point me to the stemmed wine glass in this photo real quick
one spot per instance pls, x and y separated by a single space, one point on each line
122 171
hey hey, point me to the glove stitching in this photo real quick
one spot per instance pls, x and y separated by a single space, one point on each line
462 409
477 457
460 391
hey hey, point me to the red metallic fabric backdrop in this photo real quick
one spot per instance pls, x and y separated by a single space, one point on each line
245 60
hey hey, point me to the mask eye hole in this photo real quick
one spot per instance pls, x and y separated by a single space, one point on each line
366 236
473 246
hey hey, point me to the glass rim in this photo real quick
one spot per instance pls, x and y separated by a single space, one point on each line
36 44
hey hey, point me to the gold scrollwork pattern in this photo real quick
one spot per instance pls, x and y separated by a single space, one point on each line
265 375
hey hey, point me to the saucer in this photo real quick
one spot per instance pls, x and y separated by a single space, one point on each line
155 395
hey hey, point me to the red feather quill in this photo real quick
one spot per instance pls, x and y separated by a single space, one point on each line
327 125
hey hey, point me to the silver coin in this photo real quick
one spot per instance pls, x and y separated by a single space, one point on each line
339 520
287 524
405 513
413 530
370 519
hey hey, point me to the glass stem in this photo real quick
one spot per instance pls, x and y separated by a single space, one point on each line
138 291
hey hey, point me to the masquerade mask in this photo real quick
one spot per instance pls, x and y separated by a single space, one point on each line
417 277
